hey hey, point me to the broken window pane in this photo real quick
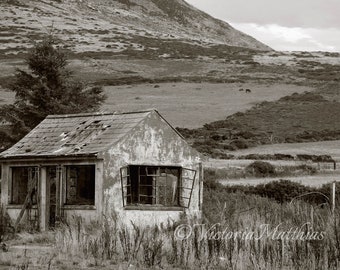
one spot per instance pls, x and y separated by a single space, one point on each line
154 185
80 184
187 184
22 178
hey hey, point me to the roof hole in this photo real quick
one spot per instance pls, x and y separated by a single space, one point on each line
106 127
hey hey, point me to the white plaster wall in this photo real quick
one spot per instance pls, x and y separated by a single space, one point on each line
152 142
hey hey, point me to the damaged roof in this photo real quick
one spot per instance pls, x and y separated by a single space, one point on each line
77 134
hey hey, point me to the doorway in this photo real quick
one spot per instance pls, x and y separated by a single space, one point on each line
52 195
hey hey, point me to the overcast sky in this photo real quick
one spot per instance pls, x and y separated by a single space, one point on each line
300 25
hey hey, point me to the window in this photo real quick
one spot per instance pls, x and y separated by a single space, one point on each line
80 184
157 185
24 180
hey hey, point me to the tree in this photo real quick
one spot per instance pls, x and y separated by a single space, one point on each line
48 87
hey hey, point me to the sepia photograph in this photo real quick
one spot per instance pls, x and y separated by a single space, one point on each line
169 134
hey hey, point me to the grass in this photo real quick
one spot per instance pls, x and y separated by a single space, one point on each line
180 103
311 148
110 244
213 242
302 117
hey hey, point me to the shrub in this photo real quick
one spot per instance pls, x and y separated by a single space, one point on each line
261 169
315 158
308 169
267 157
282 190
283 157
204 149
215 137
212 176
240 144
246 134
229 147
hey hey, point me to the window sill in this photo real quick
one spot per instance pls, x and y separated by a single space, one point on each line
65 207
79 207
18 206
153 208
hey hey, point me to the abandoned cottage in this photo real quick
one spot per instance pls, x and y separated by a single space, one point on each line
134 165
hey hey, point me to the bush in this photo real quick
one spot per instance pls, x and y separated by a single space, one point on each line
306 168
215 137
283 157
240 144
315 158
229 147
246 134
261 169
267 157
211 179
282 190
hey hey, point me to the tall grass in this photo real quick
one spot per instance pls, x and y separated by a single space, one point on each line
5 225
110 242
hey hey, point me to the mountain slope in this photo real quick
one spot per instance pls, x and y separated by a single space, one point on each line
113 25
305 117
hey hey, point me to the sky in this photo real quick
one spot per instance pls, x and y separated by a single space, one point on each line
289 25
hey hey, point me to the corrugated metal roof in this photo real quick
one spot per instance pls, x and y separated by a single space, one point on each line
77 134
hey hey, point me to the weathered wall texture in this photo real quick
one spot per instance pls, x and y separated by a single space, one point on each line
94 213
152 142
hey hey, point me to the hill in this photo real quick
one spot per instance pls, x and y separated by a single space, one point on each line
305 117
116 26
172 56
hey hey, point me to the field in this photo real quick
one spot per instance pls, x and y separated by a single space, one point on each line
181 103
194 104
305 172
312 148
233 172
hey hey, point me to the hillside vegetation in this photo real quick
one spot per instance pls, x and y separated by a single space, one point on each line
302 117
114 26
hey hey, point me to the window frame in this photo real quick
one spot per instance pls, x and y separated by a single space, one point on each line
184 186
35 172
66 203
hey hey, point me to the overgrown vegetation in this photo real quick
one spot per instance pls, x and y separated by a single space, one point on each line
4 225
303 117
171 48
211 243
280 190
278 156
261 169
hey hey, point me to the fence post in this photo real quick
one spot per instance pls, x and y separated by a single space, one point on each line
333 197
